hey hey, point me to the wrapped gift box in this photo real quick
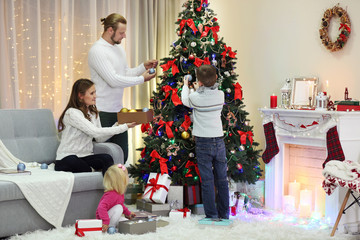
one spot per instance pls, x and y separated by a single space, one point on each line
192 194
157 188
180 213
154 208
137 226
144 215
219 222
139 116
347 108
197 209
176 197
88 227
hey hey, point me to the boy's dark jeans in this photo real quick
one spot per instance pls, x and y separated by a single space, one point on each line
211 160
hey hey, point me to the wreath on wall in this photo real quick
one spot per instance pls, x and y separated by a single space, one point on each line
344 28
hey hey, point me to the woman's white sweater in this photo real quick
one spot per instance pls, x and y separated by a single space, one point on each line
79 132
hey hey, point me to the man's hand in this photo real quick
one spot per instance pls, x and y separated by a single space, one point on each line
151 64
147 76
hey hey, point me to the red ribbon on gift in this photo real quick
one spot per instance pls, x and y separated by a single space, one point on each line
228 49
188 165
190 23
244 135
163 167
202 1
214 31
174 96
154 186
198 62
145 127
238 91
184 210
170 64
343 25
168 125
80 232
187 122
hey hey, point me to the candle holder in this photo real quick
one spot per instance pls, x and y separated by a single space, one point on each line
285 94
310 98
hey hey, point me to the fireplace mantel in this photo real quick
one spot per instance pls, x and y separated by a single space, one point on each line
308 128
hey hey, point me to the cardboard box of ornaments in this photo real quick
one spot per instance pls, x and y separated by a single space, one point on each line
139 116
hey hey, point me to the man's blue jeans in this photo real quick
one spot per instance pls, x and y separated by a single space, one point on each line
211 160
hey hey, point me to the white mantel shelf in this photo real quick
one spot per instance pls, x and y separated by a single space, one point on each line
348 126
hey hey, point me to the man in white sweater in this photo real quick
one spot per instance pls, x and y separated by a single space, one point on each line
111 74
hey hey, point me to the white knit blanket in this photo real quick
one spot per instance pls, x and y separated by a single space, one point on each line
47 191
346 170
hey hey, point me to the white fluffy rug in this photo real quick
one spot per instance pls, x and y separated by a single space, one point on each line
246 226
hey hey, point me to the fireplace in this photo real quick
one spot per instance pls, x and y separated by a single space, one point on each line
301 137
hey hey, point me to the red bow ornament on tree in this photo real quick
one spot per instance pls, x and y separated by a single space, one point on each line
198 62
163 166
188 165
174 96
190 23
170 64
244 135
202 1
168 125
228 50
238 91
214 31
187 122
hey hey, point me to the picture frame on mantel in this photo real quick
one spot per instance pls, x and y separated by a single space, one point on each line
303 92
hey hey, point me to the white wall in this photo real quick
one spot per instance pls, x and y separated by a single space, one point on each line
278 39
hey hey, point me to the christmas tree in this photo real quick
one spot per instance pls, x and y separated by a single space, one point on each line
169 145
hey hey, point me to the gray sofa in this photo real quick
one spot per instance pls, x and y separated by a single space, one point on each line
31 136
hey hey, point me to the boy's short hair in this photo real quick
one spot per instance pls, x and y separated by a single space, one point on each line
206 74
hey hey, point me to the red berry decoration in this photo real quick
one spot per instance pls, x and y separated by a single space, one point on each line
174 168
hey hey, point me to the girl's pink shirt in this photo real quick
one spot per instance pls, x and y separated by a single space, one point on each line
107 201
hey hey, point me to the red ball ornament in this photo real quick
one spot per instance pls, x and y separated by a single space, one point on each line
174 168
151 100
230 134
191 57
184 49
239 166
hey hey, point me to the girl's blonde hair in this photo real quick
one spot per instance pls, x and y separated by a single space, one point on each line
116 178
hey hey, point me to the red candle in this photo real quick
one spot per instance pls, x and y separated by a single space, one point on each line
273 101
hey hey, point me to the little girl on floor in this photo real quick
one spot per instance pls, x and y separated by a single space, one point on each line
111 205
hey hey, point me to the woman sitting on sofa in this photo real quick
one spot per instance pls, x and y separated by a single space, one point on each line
79 124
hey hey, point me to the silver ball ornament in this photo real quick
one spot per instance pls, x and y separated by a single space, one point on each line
193 44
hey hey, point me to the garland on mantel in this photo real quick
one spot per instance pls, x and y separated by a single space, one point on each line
300 127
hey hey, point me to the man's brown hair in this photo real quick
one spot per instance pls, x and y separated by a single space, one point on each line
113 21
206 74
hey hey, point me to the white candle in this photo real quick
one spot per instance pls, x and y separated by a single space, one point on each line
320 199
306 197
327 85
304 210
288 204
294 190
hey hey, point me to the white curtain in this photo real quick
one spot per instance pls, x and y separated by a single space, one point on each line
44 46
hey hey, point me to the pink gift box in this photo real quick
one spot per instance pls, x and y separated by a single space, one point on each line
88 227
180 213
157 188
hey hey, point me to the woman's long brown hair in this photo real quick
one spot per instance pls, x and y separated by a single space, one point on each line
80 86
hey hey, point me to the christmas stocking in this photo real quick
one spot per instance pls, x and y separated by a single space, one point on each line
271 145
333 145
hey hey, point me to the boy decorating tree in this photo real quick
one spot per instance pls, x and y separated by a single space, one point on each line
207 103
